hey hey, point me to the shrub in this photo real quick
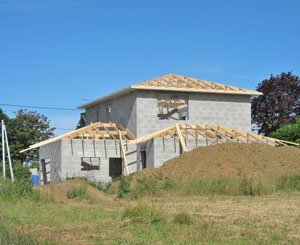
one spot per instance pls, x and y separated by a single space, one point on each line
183 219
142 213
78 192
290 132
124 186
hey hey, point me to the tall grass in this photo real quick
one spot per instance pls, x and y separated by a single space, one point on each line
142 213
78 192
9 237
246 186
22 189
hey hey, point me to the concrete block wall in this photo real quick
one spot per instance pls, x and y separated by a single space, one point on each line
52 152
232 111
74 150
149 148
123 111
166 149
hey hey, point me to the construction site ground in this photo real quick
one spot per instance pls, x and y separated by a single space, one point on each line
171 218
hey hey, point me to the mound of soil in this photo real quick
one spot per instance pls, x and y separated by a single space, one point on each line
59 191
230 160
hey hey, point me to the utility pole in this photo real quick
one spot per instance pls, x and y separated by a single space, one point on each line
5 144
3 148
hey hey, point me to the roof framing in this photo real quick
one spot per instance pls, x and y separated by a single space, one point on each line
178 83
95 131
181 132
210 133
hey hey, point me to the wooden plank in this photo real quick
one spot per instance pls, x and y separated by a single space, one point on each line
150 136
181 139
123 154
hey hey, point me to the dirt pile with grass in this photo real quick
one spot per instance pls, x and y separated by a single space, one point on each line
230 160
61 190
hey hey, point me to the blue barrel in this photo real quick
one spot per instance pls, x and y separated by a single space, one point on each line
35 179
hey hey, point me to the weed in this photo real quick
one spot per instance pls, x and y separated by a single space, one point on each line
10 191
78 192
124 186
9 237
247 186
142 213
104 187
288 183
183 219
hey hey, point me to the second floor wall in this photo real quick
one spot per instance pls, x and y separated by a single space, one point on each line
144 112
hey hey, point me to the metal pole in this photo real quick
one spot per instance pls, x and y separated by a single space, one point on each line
8 154
3 148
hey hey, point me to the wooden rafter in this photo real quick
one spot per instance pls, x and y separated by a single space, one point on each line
211 133
177 82
95 131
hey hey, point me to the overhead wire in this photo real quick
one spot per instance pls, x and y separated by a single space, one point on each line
40 107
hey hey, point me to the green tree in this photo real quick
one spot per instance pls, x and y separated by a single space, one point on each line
3 116
290 132
25 129
280 103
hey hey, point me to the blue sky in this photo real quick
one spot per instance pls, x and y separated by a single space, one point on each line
60 52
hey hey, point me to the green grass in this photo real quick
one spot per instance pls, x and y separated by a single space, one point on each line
245 186
225 211
142 213
8 236
78 192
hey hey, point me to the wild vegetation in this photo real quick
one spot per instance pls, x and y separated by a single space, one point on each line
162 211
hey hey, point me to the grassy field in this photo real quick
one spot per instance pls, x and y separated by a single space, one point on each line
76 213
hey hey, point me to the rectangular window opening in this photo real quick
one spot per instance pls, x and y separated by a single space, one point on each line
90 163
172 109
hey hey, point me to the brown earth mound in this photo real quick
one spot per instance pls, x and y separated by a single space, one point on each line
230 160
59 191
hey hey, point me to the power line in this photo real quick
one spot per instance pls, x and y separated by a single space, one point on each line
40 107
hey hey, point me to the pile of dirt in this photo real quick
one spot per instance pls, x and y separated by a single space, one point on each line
59 191
229 160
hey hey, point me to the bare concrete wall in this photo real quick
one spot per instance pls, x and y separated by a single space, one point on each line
232 111
52 152
122 110
74 150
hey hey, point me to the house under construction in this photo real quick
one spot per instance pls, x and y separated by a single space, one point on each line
146 124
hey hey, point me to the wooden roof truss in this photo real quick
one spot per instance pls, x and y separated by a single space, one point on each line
183 82
210 134
95 131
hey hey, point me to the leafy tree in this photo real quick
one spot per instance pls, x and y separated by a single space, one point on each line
3 116
279 104
25 129
290 132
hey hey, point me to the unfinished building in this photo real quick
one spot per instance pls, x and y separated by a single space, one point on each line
146 124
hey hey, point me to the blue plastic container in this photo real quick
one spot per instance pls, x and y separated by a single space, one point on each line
35 179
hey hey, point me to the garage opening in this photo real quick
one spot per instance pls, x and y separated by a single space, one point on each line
115 167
